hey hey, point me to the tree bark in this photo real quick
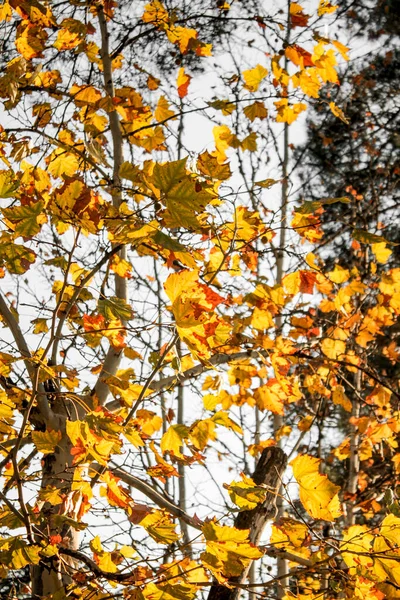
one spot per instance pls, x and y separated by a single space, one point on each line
51 575
268 472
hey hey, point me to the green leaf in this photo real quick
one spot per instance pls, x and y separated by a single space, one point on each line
168 175
115 308
17 258
8 184
365 237
128 171
308 207
342 199
28 219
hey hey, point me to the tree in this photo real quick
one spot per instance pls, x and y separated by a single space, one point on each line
360 156
130 270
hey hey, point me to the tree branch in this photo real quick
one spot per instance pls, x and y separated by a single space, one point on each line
160 500
23 349
113 357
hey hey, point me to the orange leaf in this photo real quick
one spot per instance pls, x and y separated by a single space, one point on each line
182 83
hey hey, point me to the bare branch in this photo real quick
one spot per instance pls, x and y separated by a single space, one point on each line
22 346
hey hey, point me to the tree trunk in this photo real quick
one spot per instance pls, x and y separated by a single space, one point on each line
51 575
268 472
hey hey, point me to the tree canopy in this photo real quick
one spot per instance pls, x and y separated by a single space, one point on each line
183 361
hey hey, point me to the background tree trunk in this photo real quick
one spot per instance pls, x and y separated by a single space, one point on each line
268 472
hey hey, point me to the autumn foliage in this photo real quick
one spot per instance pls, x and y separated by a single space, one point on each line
169 321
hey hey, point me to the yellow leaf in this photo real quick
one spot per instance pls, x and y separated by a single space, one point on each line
343 450
333 348
181 36
290 535
341 48
249 142
51 494
46 441
270 397
339 275
325 63
356 546
283 431
305 423
115 494
340 398
154 12
318 495
5 12
61 162
338 112
246 494
96 546
291 283
386 551
222 418
163 110
202 431
325 7
158 524
26 220
67 40
172 440
27 555
261 319
288 113
221 134
85 95
381 253
31 40
228 550
308 81
253 78
106 563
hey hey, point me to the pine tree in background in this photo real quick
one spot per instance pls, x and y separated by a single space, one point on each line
359 157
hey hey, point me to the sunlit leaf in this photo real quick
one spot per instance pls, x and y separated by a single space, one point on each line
318 495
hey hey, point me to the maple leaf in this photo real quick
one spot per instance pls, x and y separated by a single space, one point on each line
325 7
297 17
333 348
182 83
163 110
288 113
382 254
299 56
46 441
26 220
172 440
155 12
159 525
8 184
292 536
115 494
254 77
339 397
246 494
228 550
317 494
